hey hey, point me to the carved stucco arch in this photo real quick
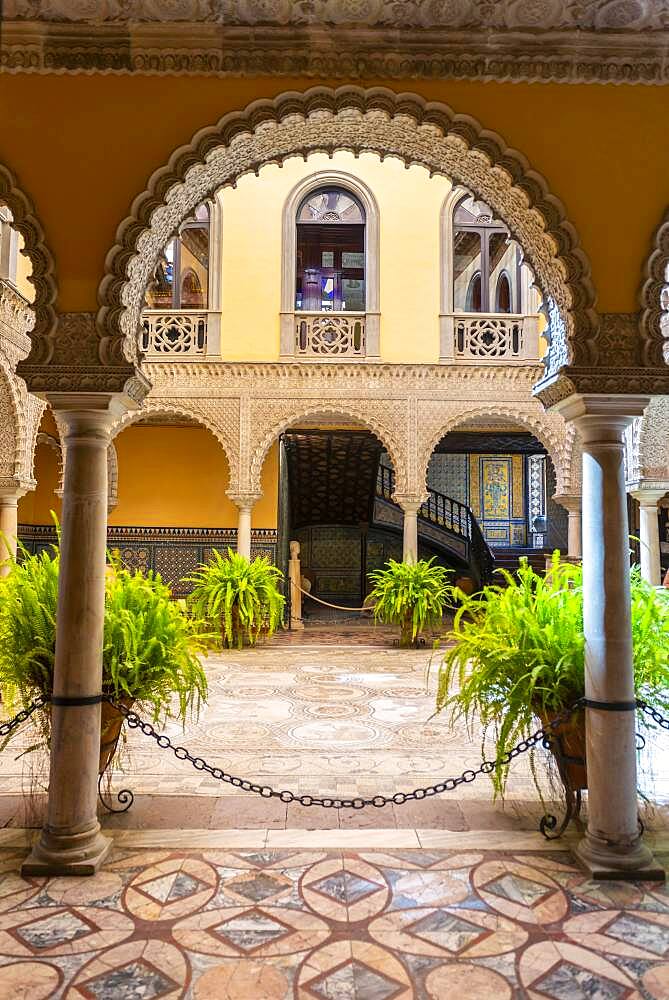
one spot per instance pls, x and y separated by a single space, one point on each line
652 461
375 120
43 274
655 300
288 413
188 410
13 430
549 428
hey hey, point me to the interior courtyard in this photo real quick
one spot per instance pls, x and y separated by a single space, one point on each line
307 300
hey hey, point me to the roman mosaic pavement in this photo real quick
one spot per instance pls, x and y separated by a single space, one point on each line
331 925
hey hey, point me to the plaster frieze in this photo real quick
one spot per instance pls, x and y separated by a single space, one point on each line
25 222
17 319
375 120
599 41
655 299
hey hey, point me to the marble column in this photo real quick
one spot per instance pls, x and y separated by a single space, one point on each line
612 846
9 503
572 504
244 503
649 534
410 507
71 842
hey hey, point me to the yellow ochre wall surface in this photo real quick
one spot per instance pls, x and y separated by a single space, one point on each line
84 146
409 205
177 477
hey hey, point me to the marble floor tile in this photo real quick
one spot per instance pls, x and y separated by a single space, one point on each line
297 923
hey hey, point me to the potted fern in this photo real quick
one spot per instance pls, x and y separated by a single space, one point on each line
517 656
237 597
150 650
411 595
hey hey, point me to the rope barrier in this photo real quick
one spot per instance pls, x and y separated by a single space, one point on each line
337 607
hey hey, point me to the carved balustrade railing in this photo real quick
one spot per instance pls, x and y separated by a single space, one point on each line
494 338
329 335
177 333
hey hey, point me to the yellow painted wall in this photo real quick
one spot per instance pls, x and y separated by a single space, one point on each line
409 204
84 146
172 477
35 507
177 477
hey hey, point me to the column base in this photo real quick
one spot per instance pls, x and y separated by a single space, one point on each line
606 862
296 624
68 854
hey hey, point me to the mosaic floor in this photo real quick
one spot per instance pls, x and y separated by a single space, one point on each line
337 720
269 925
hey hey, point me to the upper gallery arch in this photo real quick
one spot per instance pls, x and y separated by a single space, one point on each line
374 120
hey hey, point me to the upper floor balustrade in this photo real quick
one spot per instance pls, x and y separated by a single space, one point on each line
489 338
184 333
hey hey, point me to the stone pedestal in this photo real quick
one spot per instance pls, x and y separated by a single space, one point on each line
71 842
613 846
649 534
295 578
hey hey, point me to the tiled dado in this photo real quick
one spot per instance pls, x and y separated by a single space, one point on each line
172 552
388 924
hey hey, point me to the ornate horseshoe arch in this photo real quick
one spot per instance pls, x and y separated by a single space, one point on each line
551 429
43 277
351 118
655 300
360 411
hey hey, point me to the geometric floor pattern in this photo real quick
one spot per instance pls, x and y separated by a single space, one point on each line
331 925
332 720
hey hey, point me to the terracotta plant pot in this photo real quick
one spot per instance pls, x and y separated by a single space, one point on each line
110 730
568 747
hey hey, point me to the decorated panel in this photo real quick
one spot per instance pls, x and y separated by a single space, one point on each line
497 497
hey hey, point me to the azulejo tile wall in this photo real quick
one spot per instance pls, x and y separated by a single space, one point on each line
375 925
172 552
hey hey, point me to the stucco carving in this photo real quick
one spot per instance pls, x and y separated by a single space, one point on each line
376 120
651 462
220 417
408 407
655 299
563 40
77 359
42 277
549 428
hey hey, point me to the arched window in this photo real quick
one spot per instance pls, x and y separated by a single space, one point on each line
473 300
503 294
483 250
181 278
330 252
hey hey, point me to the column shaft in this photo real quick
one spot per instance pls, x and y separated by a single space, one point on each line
71 842
244 531
574 543
649 531
8 530
612 844
410 535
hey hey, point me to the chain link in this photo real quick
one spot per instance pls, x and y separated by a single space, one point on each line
653 713
377 801
8 727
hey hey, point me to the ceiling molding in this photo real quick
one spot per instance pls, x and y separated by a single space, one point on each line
400 41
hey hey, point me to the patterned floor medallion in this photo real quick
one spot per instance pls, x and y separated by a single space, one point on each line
339 925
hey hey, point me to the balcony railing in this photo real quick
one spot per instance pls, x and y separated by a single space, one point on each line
489 337
178 333
329 335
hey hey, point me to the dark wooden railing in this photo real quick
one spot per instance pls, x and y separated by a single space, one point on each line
452 516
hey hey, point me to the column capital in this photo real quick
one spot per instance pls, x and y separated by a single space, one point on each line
648 496
12 492
244 501
410 502
601 418
571 502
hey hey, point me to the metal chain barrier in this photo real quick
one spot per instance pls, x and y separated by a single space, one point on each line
8 727
337 607
378 801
